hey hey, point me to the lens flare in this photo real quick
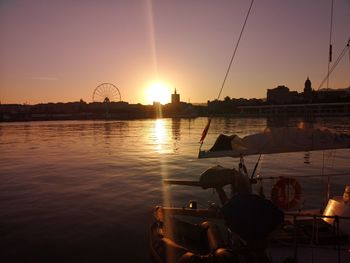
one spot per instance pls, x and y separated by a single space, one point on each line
158 92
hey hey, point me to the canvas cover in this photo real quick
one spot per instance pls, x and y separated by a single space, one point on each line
277 140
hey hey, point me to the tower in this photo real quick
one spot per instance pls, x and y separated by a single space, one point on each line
307 86
308 90
175 98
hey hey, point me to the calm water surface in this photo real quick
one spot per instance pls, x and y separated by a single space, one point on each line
83 191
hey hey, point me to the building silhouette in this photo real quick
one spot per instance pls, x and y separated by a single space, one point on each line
281 95
307 86
175 98
307 90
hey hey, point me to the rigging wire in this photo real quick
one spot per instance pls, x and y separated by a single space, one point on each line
329 62
236 48
341 55
330 42
205 131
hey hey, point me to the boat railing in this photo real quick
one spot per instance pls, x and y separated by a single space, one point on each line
332 239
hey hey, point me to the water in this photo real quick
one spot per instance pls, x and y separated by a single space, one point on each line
83 191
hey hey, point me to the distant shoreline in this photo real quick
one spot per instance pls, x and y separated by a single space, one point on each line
124 118
124 111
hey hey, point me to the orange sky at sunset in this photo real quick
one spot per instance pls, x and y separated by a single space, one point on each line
59 51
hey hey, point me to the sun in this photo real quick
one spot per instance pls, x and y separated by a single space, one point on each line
158 92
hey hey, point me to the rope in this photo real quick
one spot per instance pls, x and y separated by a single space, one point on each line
312 239
302 176
295 215
329 62
336 219
255 167
341 55
236 47
330 42
205 131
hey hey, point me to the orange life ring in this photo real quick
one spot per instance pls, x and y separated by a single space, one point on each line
285 188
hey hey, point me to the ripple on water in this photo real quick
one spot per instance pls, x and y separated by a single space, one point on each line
84 190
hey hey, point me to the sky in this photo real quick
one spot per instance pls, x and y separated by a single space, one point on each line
60 51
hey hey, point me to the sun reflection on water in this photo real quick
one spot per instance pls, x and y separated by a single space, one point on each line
160 135
161 131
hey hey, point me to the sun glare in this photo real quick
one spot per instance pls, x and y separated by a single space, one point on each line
158 92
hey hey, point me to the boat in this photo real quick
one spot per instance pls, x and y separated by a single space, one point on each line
247 226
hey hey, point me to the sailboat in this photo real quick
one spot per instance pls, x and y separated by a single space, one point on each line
256 228
249 226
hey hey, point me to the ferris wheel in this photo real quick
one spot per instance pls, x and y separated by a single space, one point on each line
106 92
